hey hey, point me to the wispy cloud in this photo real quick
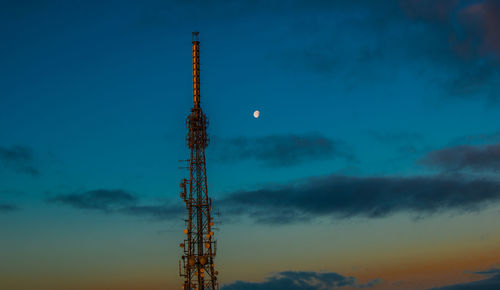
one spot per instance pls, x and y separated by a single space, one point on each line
116 201
157 212
470 31
492 271
282 150
5 208
371 197
100 199
291 280
476 158
492 282
477 139
18 158
459 37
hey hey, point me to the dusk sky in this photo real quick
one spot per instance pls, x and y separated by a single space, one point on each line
375 162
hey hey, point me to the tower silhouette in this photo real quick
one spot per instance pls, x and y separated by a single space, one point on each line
197 263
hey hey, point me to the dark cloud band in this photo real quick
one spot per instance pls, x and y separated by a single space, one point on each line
477 158
291 280
372 197
116 201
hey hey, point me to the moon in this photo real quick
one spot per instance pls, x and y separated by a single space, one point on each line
256 114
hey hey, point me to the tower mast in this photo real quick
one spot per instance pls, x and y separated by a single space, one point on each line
197 264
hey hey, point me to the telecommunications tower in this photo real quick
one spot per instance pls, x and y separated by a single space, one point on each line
197 264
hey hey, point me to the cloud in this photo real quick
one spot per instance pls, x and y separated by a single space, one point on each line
429 10
405 142
5 208
470 31
490 283
476 158
157 212
282 150
18 158
365 40
477 139
101 199
488 272
117 201
457 38
481 24
472 26
371 197
290 280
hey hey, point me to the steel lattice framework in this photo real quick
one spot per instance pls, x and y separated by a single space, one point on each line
197 264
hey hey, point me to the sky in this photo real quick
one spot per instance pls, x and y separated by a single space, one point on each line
375 162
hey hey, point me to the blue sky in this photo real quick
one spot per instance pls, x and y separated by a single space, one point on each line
379 127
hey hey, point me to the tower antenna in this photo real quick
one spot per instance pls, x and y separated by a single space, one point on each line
197 263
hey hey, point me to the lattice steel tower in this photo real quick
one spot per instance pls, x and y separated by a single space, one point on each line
197 265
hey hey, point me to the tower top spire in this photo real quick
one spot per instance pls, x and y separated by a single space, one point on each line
196 70
196 36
